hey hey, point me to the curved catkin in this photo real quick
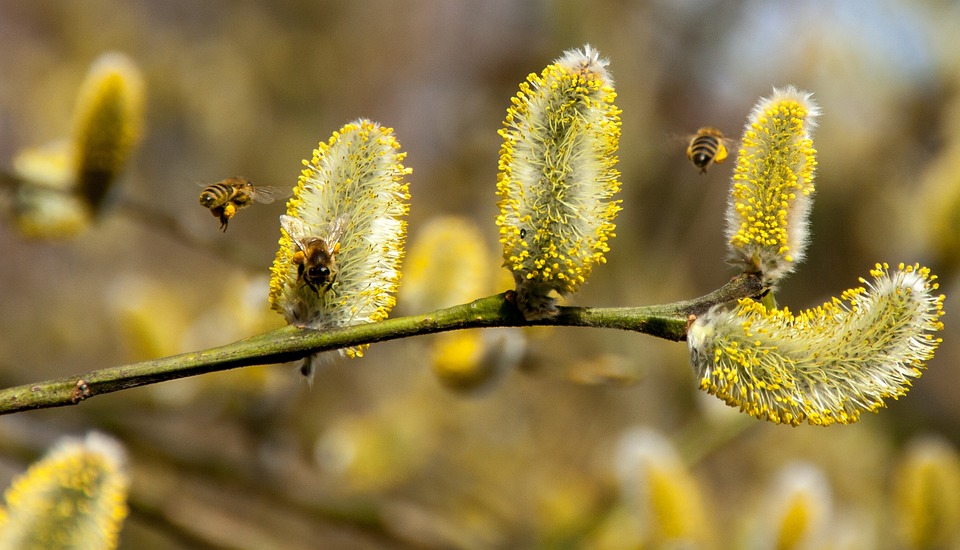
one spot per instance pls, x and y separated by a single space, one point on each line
357 175
558 178
825 365
772 190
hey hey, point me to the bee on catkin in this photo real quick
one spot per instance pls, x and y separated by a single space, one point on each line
341 239
315 257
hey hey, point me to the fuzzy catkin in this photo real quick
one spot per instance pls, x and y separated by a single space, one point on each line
74 497
824 365
359 174
558 178
772 190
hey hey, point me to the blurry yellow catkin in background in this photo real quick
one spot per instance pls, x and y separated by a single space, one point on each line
64 184
664 506
796 512
44 204
108 124
927 495
74 497
449 264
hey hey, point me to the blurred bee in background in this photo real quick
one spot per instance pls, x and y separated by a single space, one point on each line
706 147
316 264
227 196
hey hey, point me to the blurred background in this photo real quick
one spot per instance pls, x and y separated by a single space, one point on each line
390 451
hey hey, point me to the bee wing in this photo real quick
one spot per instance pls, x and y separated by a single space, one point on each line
335 230
676 139
681 141
296 229
266 194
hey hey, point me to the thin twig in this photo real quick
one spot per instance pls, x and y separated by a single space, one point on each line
166 224
153 218
290 343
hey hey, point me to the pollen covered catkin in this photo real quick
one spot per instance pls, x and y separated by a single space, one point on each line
558 179
358 176
772 190
74 497
825 365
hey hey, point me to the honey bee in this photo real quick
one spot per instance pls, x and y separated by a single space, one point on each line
315 259
227 196
706 147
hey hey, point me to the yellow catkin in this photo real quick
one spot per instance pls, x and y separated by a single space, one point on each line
825 365
796 511
660 492
772 189
558 178
447 264
64 184
357 176
107 125
75 497
927 495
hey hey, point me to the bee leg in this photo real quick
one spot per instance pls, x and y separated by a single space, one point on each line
298 259
322 289
228 211
218 212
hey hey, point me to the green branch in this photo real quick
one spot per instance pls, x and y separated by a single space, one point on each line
290 343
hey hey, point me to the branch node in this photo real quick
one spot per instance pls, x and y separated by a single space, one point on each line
80 392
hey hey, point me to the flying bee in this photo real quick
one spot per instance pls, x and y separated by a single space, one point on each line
227 196
315 259
708 146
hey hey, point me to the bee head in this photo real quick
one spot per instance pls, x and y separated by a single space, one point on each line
318 273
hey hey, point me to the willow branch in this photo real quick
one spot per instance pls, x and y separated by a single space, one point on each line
290 343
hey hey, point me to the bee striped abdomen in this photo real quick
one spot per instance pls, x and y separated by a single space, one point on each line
707 147
217 194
